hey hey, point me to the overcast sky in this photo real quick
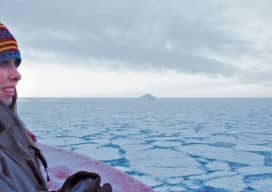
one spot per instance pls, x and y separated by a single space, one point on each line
125 48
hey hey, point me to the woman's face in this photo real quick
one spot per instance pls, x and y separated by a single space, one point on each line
9 77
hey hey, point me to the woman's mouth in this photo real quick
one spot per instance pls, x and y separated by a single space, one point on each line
9 91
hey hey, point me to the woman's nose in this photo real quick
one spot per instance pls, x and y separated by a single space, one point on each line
14 74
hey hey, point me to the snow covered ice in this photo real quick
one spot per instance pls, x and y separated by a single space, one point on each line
172 145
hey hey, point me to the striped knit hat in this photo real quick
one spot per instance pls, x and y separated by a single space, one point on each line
8 46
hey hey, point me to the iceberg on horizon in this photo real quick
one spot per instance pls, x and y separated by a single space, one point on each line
148 96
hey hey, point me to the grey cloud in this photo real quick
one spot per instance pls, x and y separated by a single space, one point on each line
262 77
143 34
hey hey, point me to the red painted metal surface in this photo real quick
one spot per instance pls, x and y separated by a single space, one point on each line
62 163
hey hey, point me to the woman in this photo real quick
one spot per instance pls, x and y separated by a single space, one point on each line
19 164
20 159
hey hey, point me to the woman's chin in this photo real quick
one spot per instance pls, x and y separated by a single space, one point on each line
7 101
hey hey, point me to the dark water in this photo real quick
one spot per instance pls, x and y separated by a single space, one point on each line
169 144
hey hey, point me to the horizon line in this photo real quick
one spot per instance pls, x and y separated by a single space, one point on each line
140 97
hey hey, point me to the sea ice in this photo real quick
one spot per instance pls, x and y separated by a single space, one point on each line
148 180
166 144
211 176
218 165
175 181
159 161
255 170
263 185
62 141
166 188
224 154
252 147
233 183
99 153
